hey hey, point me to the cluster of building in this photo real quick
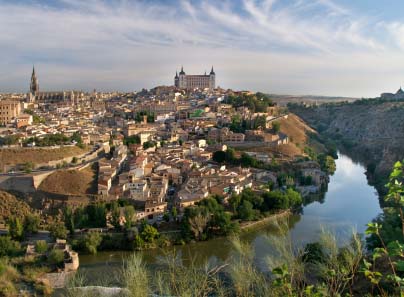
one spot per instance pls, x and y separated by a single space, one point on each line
162 139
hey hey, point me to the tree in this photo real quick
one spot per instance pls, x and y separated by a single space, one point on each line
219 156
235 201
129 212
223 225
198 224
134 139
294 198
31 223
148 144
174 213
245 211
15 228
97 215
41 246
166 217
69 219
149 233
115 215
58 231
276 127
91 242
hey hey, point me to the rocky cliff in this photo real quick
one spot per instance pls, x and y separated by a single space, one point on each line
370 131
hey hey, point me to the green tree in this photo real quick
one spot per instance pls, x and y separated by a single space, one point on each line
234 202
129 212
166 217
276 127
149 233
69 219
115 215
91 242
148 144
15 228
58 230
219 156
246 211
31 223
174 213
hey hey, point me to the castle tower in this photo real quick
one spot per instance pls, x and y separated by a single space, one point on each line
34 86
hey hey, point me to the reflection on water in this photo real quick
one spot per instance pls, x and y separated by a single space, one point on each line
349 204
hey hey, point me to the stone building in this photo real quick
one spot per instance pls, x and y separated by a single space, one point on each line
190 82
9 110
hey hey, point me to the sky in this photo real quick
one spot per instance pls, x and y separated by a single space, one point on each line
299 47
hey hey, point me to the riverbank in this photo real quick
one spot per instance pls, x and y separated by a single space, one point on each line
254 224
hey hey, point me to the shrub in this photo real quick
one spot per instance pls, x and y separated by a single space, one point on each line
41 246
56 257
9 247
91 242
58 230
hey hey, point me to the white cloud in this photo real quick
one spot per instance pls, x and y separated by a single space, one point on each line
263 45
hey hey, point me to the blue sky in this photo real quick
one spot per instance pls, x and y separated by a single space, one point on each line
322 47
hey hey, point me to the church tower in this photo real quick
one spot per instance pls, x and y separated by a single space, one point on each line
182 80
34 86
212 79
176 80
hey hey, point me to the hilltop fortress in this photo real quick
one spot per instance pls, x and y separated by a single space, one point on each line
191 82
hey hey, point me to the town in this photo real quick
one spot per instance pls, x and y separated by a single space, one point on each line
94 164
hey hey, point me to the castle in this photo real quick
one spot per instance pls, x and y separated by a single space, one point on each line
61 97
190 82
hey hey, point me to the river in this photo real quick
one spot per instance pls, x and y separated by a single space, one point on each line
349 204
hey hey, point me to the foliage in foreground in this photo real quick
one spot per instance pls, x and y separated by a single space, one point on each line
288 272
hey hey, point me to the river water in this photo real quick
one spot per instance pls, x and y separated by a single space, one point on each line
348 205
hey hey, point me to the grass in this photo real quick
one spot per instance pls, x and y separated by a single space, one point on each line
73 182
14 156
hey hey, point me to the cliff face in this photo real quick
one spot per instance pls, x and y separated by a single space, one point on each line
370 131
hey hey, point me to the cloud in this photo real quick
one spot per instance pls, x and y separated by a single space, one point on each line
268 45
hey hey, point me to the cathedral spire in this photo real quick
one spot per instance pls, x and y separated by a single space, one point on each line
34 86
212 71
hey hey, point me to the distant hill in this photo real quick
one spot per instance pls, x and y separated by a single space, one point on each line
283 100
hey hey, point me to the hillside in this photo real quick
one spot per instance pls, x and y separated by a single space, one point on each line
370 131
70 182
14 156
298 132
12 206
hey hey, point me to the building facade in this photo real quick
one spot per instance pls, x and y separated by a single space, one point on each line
9 110
191 82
